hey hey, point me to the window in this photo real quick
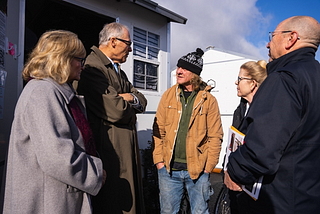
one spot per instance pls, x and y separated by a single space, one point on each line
145 49
145 75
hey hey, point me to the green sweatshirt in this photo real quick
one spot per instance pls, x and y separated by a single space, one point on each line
187 107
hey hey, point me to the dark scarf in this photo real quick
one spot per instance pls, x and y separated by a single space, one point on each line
84 127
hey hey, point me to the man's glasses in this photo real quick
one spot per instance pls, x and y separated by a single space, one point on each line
271 34
243 78
82 60
125 41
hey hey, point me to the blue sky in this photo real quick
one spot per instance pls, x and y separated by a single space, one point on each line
240 26
281 10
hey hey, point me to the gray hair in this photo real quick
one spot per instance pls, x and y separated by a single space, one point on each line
113 29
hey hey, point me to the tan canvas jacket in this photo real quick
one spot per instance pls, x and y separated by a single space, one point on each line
205 133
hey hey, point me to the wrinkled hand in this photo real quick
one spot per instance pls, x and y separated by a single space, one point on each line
230 184
127 97
104 177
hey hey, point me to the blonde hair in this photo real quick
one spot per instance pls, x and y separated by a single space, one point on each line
52 56
257 70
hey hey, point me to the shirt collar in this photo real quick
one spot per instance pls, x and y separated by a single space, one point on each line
115 65
111 61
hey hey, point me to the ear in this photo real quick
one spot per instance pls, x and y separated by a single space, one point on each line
291 40
253 85
113 42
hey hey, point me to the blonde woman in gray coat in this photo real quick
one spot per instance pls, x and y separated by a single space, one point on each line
52 165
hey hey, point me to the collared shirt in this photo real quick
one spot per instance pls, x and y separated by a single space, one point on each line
247 108
115 65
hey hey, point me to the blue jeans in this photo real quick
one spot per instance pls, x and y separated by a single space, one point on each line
171 191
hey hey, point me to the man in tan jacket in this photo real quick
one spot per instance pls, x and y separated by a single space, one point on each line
187 136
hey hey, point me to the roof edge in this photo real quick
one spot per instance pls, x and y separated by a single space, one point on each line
153 6
247 56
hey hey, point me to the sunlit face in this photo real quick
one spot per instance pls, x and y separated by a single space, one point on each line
122 50
274 47
184 76
277 45
75 70
245 86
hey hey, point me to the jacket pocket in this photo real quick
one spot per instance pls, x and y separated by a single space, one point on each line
201 123
171 115
202 148
202 155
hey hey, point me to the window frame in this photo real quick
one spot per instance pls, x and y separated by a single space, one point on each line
145 59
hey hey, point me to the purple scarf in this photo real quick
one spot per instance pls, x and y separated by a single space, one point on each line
84 127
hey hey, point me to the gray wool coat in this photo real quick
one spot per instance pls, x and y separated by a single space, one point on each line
48 170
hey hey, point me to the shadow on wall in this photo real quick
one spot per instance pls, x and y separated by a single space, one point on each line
144 137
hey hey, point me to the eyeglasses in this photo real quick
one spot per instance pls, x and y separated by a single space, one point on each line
125 41
82 60
271 34
243 78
